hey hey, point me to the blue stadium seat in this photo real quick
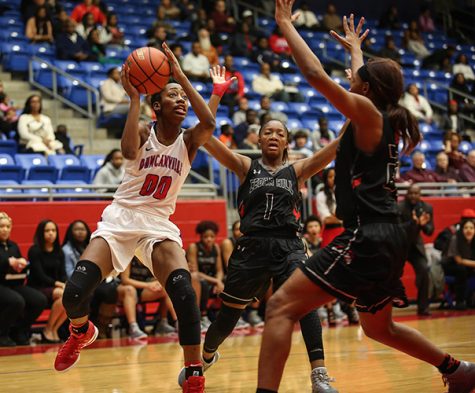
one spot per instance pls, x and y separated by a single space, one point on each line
80 96
8 147
310 123
15 56
75 173
200 161
114 120
465 147
93 163
43 190
6 159
200 87
42 172
45 51
62 160
298 108
77 187
29 160
9 190
190 121
294 124
12 172
90 67
221 120
254 104
279 106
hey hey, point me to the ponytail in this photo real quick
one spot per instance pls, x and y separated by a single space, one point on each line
405 124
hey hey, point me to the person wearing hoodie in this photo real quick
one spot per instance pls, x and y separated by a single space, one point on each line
112 170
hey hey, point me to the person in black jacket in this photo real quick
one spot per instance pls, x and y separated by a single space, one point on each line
417 215
48 275
20 305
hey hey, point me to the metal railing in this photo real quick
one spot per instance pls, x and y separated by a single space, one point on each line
441 189
51 192
92 111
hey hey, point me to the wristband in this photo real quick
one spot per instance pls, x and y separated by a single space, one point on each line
220 89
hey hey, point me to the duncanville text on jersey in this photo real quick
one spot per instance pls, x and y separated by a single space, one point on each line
159 160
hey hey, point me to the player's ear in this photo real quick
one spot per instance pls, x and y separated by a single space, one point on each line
156 106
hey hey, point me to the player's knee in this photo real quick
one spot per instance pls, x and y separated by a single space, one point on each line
379 332
274 306
80 287
183 297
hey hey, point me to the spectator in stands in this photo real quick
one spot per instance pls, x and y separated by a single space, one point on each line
417 215
452 143
114 99
240 115
236 89
460 261
159 36
207 47
462 90
323 135
414 42
312 230
75 242
300 142
251 141
97 49
467 170
240 131
87 6
461 66
159 22
263 54
6 103
390 50
331 20
8 122
308 19
278 43
223 22
146 112
439 58
200 22
227 136
61 134
111 34
227 245
269 85
20 305
195 64
39 27
446 173
177 50
242 43
417 104
48 275
71 46
266 108
204 257
148 289
35 129
390 19
452 121
418 173
112 170
59 21
426 23
254 31
168 10
86 26
368 49
187 9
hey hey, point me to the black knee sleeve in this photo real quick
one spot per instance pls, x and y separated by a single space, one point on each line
183 297
312 335
80 287
222 327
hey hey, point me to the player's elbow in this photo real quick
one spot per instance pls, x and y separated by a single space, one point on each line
129 153
209 124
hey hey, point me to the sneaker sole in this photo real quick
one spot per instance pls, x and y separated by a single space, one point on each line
94 337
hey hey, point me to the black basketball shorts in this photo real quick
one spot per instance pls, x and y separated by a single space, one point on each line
254 262
363 266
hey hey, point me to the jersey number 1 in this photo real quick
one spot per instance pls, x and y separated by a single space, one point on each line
156 185
269 205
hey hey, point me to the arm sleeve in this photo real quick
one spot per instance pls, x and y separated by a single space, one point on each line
36 268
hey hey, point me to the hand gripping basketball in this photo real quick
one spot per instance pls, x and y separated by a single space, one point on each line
220 84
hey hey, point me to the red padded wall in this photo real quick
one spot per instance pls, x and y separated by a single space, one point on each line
26 216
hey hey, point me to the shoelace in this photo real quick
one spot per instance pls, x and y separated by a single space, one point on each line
322 377
68 344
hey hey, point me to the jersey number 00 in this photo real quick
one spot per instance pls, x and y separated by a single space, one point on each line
156 185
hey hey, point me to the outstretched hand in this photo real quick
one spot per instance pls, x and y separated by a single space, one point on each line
283 11
218 76
131 91
177 72
353 37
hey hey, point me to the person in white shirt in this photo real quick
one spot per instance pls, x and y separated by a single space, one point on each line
113 96
35 129
269 85
461 66
195 64
307 18
417 104
112 170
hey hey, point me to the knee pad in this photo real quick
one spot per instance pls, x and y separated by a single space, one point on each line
80 287
183 297
222 327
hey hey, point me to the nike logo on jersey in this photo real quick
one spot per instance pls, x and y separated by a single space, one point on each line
148 148
256 172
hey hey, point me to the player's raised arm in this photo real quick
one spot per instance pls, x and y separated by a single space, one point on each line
132 137
358 108
235 162
199 134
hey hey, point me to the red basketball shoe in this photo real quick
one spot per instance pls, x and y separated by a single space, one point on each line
194 385
68 354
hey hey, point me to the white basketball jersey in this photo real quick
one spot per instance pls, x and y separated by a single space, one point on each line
153 180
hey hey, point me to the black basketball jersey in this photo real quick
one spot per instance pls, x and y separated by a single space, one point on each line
139 272
207 259
365 184
269 202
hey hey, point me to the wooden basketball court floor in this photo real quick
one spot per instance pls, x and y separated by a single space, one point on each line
358 363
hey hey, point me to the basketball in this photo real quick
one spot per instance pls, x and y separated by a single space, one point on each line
149 70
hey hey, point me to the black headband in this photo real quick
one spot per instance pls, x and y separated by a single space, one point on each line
364 74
